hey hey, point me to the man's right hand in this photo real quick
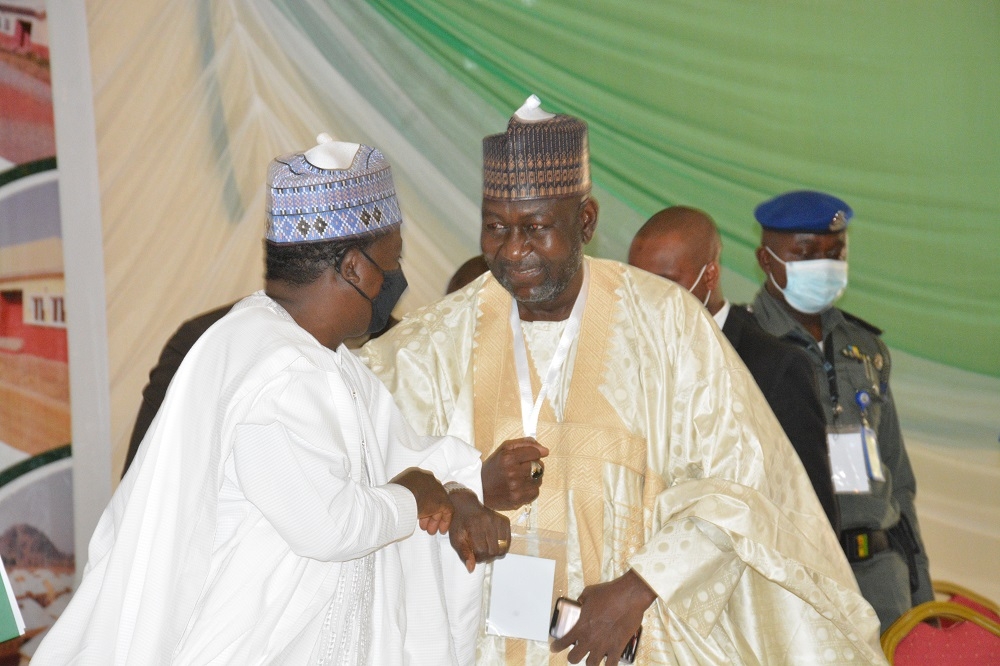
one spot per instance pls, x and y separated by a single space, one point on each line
507 480
477 534
434 508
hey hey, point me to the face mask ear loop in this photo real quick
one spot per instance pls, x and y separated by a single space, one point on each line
770 275
358 289
373 262
698 279
340 260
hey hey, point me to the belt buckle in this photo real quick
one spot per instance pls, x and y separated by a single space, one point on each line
861 543
857 545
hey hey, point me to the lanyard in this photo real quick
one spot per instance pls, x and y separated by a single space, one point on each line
831 375
531 408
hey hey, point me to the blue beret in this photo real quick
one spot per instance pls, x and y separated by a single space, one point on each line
804 212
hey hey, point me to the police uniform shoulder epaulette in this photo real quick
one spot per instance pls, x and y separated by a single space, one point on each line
861 322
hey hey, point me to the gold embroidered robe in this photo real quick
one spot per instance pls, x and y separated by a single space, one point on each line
666 460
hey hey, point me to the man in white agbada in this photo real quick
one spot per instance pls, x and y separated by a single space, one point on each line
267 518
683 506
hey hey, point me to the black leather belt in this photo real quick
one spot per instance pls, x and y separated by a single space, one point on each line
860 545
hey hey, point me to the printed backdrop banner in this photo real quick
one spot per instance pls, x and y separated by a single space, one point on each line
36 486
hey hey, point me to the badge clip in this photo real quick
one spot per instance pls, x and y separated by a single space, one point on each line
863 399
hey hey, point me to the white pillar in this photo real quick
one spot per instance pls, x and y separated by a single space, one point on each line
83 261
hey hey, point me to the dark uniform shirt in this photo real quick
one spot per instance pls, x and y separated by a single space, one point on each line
866 367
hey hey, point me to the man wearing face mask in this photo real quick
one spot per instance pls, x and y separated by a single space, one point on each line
683 245
279 509
803 253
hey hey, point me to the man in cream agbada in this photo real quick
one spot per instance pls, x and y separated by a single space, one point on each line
609 409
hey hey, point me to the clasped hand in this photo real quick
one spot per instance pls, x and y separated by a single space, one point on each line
476 533
434 507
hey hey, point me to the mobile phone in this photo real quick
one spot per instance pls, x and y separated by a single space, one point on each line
567 612
564 616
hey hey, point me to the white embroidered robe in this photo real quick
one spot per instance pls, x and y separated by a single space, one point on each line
257 524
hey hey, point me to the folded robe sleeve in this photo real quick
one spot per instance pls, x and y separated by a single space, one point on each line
734 504
299 461
448 458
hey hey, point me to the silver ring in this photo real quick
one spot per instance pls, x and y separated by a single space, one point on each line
536 470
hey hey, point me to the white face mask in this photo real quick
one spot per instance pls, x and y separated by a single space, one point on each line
813 285
697 280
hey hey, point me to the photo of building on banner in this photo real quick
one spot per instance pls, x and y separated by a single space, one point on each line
36 485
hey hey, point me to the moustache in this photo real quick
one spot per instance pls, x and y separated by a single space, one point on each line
508 266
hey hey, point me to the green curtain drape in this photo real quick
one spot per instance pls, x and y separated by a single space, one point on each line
721 104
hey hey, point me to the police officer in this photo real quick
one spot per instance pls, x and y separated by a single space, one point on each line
803 253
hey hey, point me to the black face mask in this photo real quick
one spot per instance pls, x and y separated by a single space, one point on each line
393 286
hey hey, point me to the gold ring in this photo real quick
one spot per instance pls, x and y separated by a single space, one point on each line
536 470
502 543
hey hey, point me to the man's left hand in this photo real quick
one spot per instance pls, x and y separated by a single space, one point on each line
610 614
434 508
477 533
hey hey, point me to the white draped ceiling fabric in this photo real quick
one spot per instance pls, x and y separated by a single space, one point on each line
193 98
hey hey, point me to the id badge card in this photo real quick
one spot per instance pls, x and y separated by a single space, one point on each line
849 460
523 585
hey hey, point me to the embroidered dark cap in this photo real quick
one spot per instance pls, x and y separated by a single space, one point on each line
540 156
